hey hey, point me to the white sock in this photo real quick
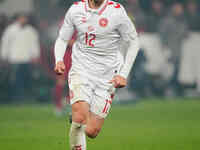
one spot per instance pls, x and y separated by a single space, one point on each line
77 137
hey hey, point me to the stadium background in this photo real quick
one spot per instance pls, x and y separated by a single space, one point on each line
165 70
158 110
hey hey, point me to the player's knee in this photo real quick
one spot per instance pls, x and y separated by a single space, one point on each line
92 132
79 112
79 117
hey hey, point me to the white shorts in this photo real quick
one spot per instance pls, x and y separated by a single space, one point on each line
98 97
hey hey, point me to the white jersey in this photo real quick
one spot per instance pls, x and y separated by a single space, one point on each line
96 52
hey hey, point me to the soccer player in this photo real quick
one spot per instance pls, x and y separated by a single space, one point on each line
97 65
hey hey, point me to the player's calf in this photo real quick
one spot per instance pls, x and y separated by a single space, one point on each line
80 112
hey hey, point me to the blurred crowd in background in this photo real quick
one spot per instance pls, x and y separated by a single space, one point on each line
167 65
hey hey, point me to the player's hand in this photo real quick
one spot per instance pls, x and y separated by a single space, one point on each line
119 81
60 68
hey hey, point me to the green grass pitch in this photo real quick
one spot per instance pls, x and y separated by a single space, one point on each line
147 125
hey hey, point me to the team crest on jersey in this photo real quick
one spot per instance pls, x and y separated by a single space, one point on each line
103 22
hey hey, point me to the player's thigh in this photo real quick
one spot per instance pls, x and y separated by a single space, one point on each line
101 103
80 112
80 93
99 110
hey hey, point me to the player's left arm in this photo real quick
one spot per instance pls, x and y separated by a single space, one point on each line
129 36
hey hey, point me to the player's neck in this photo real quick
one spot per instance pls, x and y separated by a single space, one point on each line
95 4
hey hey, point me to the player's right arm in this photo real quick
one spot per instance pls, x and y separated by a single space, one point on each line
65 34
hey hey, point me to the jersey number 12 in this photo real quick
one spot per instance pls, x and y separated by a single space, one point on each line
89 39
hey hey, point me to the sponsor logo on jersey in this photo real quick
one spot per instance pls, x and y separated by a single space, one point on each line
103 22
90 28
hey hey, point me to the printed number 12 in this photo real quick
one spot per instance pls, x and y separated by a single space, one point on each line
89 38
